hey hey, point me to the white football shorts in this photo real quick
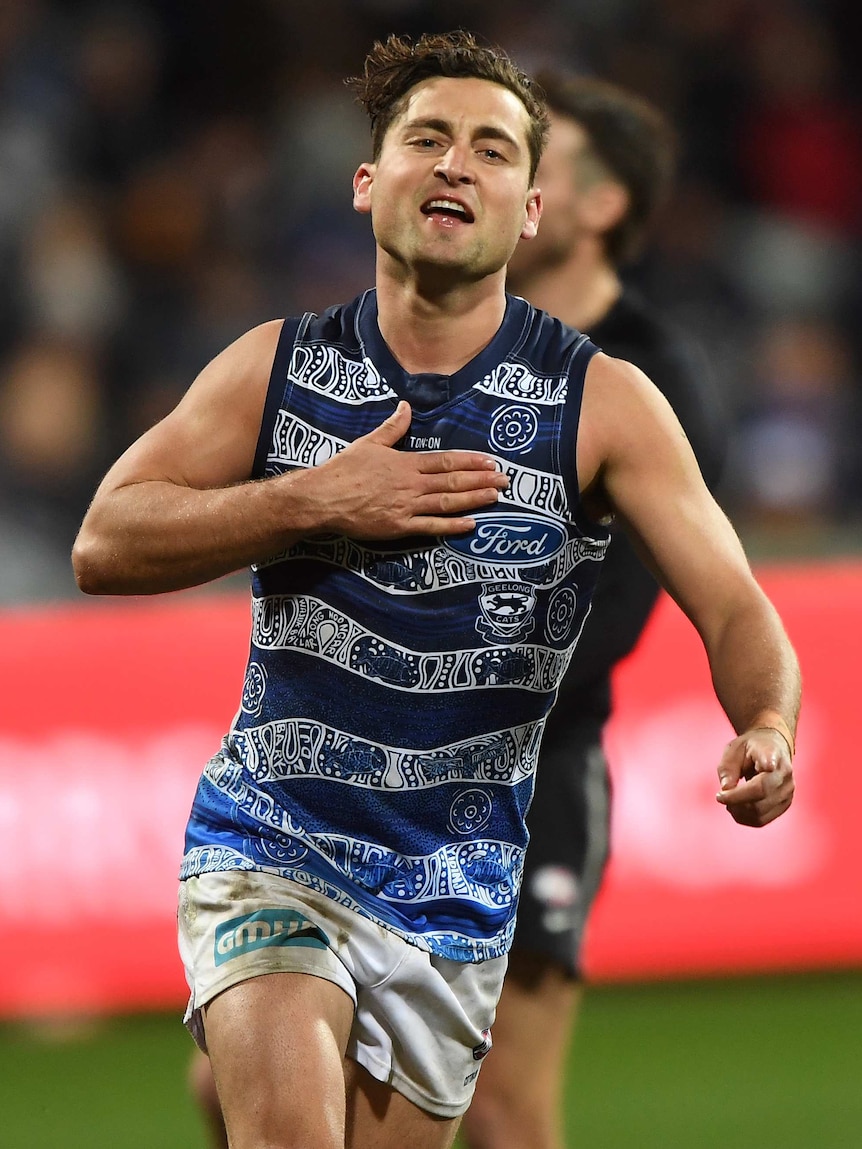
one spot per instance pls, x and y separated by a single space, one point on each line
421 1023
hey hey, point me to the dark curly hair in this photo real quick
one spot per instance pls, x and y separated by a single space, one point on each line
629 139
395 66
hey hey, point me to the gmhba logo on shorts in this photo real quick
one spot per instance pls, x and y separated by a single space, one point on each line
266 928
522 540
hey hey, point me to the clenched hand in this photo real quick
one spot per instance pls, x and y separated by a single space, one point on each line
756 776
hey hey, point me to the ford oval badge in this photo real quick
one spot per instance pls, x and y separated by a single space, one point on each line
522 540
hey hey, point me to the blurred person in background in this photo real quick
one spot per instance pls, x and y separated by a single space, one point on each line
799 158
50 414
604 175
803 414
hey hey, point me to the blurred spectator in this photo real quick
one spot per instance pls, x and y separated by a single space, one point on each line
120 113
72 284
689 276
50 423
800 157
795 455
801 138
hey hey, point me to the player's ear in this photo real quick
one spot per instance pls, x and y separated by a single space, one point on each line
362 182
605 205
534 214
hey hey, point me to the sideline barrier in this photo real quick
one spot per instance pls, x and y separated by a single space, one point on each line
110 709
692 893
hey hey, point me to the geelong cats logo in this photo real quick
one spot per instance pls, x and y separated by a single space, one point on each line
507 611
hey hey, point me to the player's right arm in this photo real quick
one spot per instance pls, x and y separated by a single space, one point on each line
179 508
634 459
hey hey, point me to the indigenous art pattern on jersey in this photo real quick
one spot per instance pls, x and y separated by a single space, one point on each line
385 747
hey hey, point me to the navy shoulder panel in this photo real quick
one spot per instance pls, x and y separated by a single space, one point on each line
275 391
549 346
337 326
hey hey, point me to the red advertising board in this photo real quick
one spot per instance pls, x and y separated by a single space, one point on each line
108 711
690 891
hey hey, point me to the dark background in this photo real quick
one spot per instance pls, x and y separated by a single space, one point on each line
174 173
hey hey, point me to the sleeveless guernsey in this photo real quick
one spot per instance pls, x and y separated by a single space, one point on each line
395 695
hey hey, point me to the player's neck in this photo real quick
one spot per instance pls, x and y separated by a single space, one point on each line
439 330
580 291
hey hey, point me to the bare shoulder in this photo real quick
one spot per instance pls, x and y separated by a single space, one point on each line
209 439
635 461
615 390
237 377
624 417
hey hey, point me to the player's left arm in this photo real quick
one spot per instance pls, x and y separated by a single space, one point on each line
634 459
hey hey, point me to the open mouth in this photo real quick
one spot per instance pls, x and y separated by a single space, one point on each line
448 209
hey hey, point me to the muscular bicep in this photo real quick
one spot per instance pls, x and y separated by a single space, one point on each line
209 439
634 459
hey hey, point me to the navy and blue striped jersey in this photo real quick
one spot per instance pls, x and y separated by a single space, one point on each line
396 692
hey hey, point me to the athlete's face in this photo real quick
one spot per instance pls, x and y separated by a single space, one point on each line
565 177
450 190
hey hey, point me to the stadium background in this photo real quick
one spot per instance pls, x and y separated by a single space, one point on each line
171 174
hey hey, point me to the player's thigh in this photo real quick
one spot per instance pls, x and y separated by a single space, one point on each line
517 1098
276 1043
378 1117
203 1090
533 1026
518 1092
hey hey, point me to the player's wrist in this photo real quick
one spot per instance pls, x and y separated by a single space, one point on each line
772 720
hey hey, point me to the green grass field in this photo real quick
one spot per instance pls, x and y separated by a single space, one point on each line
765 1063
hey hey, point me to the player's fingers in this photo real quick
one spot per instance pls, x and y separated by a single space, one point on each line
731 766
445 462
768 813
760 813
393 428
759 784
747 791
438 526
771 787
455 502
453 482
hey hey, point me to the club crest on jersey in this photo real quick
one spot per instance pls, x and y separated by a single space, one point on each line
520 539
507 611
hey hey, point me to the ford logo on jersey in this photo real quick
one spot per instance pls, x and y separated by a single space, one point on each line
518 539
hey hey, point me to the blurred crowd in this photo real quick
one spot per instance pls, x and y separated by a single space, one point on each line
173 173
